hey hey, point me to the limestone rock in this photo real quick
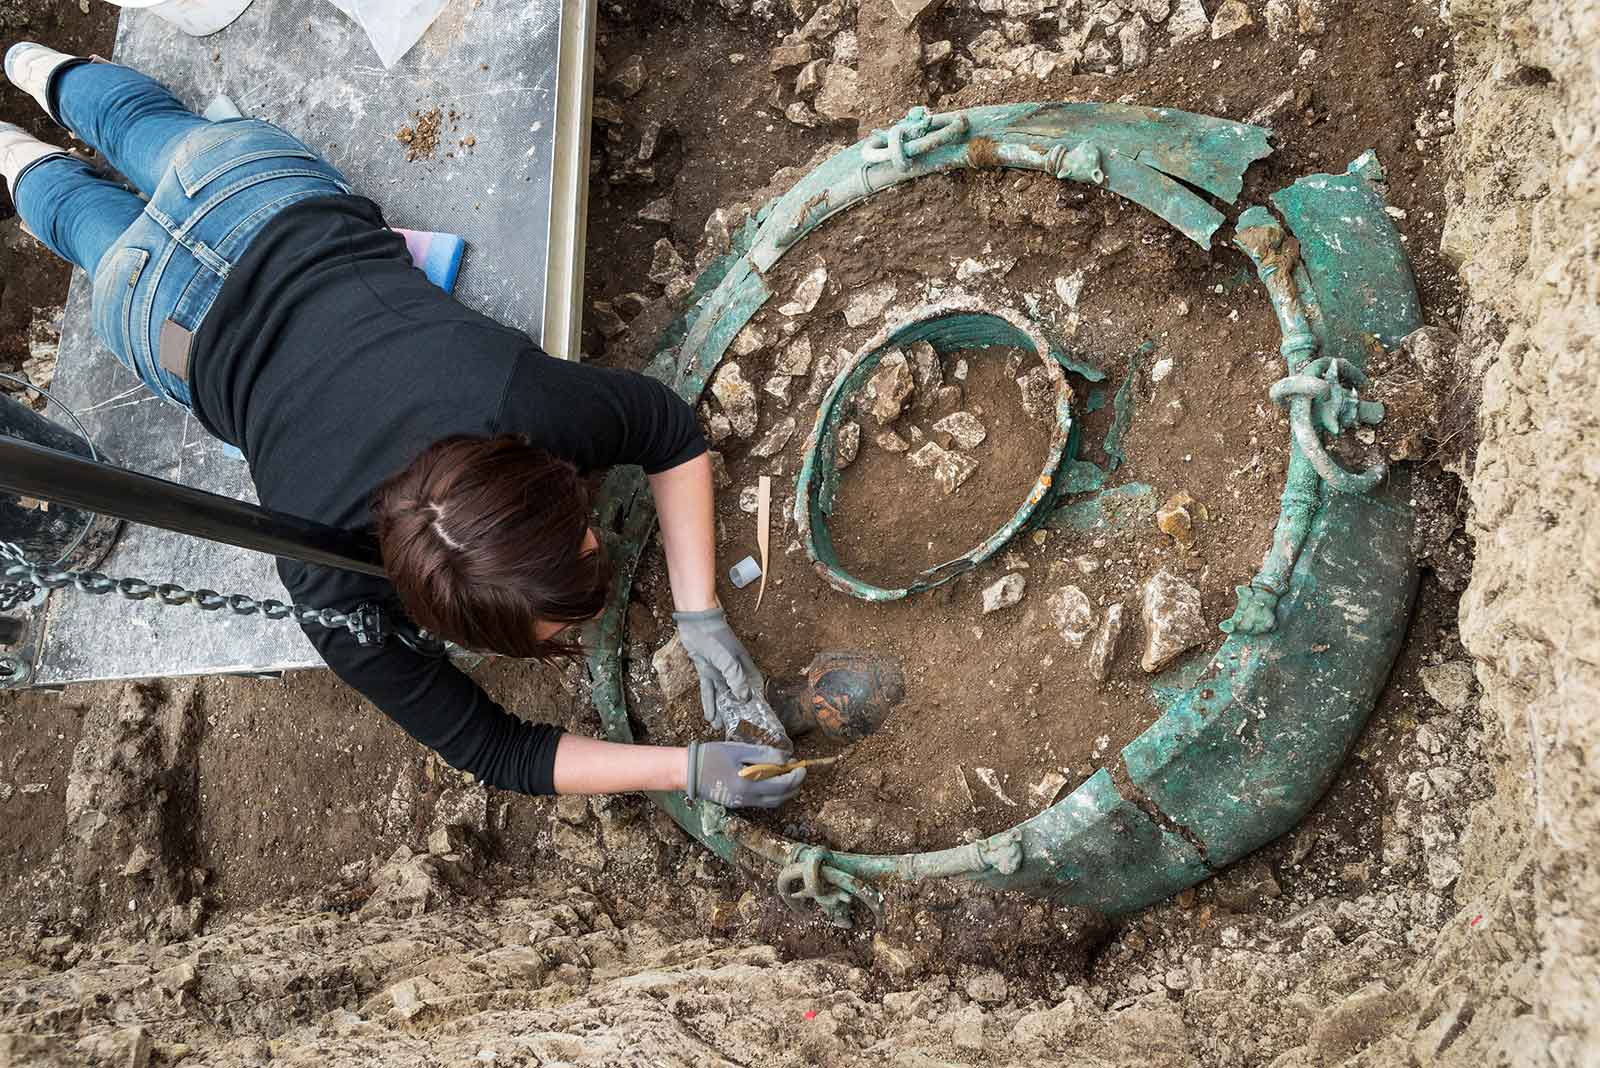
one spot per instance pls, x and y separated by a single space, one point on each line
839 99
666 266
796 359
718 428
1173 622
889 441
946 399
846 48
579 847
751 339
809 80
1072 614
649 141
867 304
847 445
737 397
950 469
630 76
988 987
964 429
674 670
1246 886
1313 17
799 113
1134 37
936 53
823 372
778 386
926 370
1069 287
607 321
1104 651
749 499
1230 18
1188 21
1003 593
790 55
657 211
1154 10
807 293
1282 22
894 961
1038 394
1098 58
462 806
776 437
911 11
888 388
719 470
1451 684
823 23
1175 518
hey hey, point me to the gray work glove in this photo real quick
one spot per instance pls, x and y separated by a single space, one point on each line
732 690
714 775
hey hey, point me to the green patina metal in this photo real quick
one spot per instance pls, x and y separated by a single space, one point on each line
1120 509
952 326
1340 285
1248 738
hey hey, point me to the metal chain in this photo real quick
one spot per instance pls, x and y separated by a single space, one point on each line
366 623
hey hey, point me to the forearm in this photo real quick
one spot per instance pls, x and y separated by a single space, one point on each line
590 766
684 501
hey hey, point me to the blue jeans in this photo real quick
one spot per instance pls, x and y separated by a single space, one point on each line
211 187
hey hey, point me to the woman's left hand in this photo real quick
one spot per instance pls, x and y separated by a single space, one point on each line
732 689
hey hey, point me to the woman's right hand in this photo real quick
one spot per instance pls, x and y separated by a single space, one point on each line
714 775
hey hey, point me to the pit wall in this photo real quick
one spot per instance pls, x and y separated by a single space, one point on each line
1524 225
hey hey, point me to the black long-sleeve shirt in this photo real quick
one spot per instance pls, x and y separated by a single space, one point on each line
331 362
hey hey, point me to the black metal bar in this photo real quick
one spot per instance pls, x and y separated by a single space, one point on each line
61 477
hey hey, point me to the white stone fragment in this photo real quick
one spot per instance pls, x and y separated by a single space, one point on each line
737 398
778 386
1070 287
991 781
1104 651
964 429
889 441
1003 593
1188 21
776 437
889 387
1072 614
847 445
807 293
796 359
1173 621
867 305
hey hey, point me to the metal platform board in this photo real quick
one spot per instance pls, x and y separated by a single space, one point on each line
517 76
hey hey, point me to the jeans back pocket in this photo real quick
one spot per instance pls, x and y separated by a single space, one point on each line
116 279
208 154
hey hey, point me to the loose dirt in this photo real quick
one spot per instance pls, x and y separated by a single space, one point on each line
722 143
891 521
975 749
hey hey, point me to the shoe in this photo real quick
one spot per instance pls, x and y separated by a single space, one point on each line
29 66
18 150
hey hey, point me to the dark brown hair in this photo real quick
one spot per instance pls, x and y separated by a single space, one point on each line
483 538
